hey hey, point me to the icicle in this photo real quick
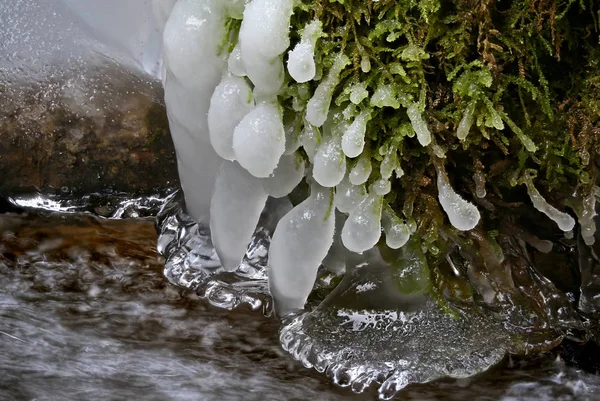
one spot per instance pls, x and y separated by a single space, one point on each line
419 124
362 170
194 70
300 243
363 227
335 261
309 138
264 36
230 102
329 163
301 60
396 232
586 219
353 141
235 62
237 202
292 141
365 64
286 176
259 140
562 220
479 179
348 196
317 108
467 121
463 215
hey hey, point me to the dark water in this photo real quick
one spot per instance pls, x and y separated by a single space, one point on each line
85 313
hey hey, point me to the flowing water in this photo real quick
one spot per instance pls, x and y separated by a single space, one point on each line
85 313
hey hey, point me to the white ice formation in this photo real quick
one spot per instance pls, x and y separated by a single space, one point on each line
300 243
353 140
301 60
563 220
397 233
237 202
317 109
259 140
363 227
462 214
230 102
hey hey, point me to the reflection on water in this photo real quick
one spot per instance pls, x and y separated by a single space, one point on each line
85 313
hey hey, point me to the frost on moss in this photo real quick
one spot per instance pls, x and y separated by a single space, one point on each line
494 88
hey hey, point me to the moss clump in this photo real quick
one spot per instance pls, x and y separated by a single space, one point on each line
507 89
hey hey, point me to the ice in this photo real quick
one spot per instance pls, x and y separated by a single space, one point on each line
310 138
301 60
348 196
358 93
463 215
300 243
353 141
264 36
419 124
362 170
587 219
381 187
237 202
335 261
192 36
292 138
564 221
396 232
230 102
265 27
367 331
259 140
329 163
235 62
466 121
385 96
317 108
390 163
286 176
363 227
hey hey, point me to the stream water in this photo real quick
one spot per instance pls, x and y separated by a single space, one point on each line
85 313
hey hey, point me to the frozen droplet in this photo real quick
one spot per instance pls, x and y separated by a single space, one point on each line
237 201
348 196
363 227
310 138
300 243
396 232
353 141
419 124
259 140
462 214
466 121
385 96
292 140
362 170
365 64
586 217
381 187
358 93
235 62
564 221
301 62
286 176
329 163
230 102
317 108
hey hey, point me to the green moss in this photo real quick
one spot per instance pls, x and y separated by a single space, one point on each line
524 75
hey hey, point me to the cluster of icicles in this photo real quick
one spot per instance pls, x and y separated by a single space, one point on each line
229 100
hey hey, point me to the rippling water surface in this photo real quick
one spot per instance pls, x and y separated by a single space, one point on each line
85 313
